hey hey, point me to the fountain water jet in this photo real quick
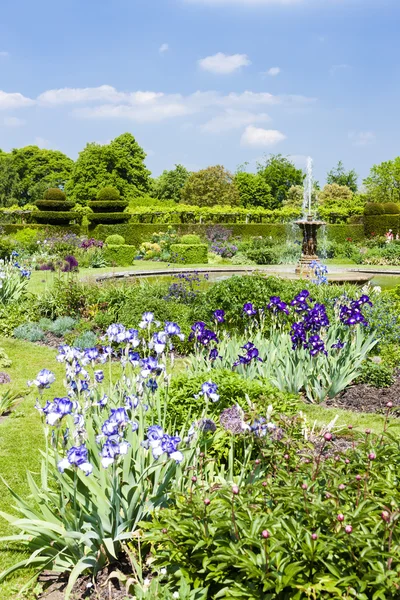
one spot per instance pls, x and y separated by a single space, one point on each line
309 227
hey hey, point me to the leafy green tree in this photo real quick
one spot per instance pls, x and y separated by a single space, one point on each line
383 182
211 187
253 190
119 164
341 177
280 174
335 195
25 173
169 185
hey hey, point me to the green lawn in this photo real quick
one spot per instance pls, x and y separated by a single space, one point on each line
21 435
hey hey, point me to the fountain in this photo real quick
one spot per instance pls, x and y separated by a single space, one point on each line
309 227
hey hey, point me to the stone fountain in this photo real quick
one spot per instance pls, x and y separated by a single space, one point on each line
309 226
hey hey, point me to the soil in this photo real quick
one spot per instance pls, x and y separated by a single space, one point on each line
368 399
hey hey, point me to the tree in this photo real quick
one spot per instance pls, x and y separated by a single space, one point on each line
335 195
211 187
119 164
280 174
169 185
383 183
341 177
253 190
25 173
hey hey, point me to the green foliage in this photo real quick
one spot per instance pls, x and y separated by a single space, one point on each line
264 252
378 225
189 253
87 339
210 187
335 195
108 194
6 247
5 360
185 403
108 206
115 240
68 296
31 332
253 190
373 208
15 314
57 205
8 400
190 238
119 164
390 208
341 177
280 174
377 375
115 217
54 217
383 182
120 256
55 195
59 327
26 238
169 185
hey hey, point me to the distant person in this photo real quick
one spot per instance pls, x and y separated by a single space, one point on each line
397 237
389 236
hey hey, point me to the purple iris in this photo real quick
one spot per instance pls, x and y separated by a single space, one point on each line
249 309
219 315
339 345
277 305
252 353
316 345
214 354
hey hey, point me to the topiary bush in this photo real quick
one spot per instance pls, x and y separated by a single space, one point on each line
115 240
189 254
54 194
119 255
56 218
47 205
108 206
373 208
190 238
96 218
108 194
390 208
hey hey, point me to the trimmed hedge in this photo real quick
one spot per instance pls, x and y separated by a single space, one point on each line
390 208
55 194
120 256
190 238
62 217
109 218
189 253
108 194
380 224
108 206
11 228
342 233
115 240
46 205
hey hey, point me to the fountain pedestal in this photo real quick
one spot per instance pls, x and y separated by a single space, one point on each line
309 228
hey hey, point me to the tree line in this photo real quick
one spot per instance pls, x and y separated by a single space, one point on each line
25 173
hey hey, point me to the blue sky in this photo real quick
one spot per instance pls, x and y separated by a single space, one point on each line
203 82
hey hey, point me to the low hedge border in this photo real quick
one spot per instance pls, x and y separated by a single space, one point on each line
108 207
380 224
189 253
109 218
120 256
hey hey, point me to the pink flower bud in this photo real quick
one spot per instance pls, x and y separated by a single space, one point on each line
235 490
342 486
286 457
207 501
264 484
340 517
314 536
328 436
349 426
389 405
371 456
304 486
164 531
194 478
266 534
347 461
367 431
348 529
358 477
257 461
337 458
385 516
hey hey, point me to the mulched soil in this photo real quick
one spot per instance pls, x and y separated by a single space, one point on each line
51 341
368 399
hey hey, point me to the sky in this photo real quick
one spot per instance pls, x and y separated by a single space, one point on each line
205 82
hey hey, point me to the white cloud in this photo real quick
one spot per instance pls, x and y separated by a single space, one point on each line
13 100
273 71
362 138
233 119
223 64
4 54
13 122
144 114
103 93
41 142
258 137
163 48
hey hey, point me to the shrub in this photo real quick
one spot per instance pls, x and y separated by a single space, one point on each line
46 205
115 240
15 314
390 208
54 194
108 217
5 360
190 238
189 254
30 332
26 239
87 339
373 208
58 218
60 326
108 206
6 247
120 256
377 225
108 194
377 375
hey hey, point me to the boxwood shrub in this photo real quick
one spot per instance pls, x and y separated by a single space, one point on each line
373 208
107 206
391 208
189 253
120 256
190 238
109 218
53 217
115 240
380 224
108 194
54 194
46 205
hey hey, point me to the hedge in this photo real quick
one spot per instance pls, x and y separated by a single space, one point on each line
182 214
120 256
380 224
50 217
189 253
108 218
109 206
11 228
136 234
46 205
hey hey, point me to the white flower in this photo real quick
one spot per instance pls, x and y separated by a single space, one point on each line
163 571
175 595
